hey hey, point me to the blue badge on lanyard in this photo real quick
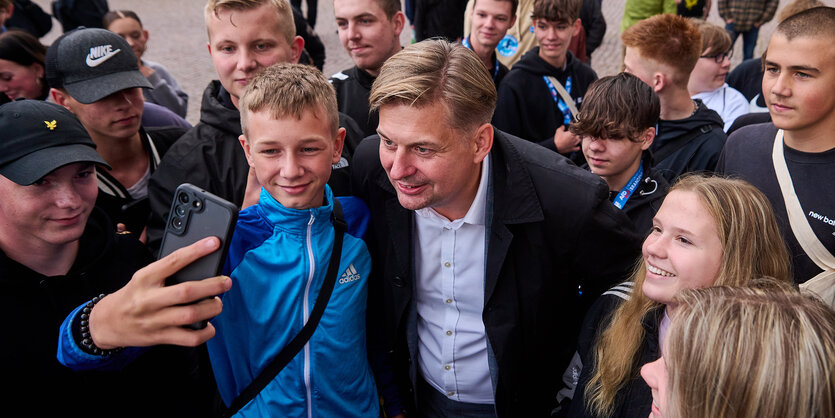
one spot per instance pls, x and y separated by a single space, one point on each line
566 112
508 46
630 187
466 43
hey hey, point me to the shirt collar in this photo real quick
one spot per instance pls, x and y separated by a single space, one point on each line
476 214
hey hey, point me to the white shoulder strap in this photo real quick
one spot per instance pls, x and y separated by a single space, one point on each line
565 96
824 283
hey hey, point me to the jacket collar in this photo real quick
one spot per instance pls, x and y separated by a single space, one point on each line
296 220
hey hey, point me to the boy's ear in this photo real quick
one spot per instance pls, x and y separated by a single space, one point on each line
60 97
296 48
647 137
247 151
659 81
577 26
399 20
338 143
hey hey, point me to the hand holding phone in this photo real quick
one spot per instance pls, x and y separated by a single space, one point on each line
196 214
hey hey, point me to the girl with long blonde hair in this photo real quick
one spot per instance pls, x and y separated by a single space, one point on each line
709 231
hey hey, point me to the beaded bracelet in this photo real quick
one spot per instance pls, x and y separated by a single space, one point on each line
87 344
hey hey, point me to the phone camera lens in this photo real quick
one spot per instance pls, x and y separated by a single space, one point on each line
180 210
183 198
177 223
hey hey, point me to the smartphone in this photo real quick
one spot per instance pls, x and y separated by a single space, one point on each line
196 214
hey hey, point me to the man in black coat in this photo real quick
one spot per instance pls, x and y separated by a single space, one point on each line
487 248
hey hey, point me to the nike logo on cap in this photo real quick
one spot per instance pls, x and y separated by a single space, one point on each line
100 54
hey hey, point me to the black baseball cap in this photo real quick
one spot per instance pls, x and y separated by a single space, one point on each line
91 64
39 137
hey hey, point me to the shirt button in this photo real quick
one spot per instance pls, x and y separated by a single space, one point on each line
449 333
450 393
447 367
449 301
447 264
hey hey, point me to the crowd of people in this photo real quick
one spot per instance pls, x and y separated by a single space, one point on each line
473 225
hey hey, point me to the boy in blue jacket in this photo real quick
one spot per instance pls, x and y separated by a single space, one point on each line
280 253
279 256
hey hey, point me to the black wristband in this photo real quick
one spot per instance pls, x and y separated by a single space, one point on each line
87 345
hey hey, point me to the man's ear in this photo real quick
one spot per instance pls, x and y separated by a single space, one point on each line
483 142
245 146
338 143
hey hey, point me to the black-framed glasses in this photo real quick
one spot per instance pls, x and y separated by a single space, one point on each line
720 57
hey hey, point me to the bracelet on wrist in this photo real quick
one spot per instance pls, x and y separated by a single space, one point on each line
87 344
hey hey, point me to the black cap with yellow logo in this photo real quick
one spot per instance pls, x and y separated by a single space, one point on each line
37 137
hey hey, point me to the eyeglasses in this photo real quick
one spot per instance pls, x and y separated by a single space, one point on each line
720 57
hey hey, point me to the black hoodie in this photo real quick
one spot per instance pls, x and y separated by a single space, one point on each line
163 382
526 108
699 153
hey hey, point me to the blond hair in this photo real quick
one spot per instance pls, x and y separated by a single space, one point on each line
752 246
437 71
289 90
282 8
760 353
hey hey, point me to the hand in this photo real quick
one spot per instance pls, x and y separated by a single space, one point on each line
146 70
145 312
566 141
253 190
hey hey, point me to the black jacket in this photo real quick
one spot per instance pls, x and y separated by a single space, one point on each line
162 382
699 153
635 399
353 86
594 23
113 196
210 156
551 232
526 108
646 200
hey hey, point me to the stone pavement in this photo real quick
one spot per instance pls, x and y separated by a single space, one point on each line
178 40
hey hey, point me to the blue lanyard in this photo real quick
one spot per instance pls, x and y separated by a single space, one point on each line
630 187
566 112
466 43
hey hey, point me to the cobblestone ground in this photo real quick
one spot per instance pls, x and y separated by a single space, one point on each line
178 40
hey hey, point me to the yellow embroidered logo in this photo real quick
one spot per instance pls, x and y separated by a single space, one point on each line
51 125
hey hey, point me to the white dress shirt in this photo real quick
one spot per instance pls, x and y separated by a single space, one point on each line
450 268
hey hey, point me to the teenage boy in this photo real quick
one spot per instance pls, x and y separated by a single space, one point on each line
93 73
370 32
662 51
792 159
490 20
58 251
531 105
617 127
245 36
279 258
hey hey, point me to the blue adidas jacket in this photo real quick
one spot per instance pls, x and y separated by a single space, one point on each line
277 259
